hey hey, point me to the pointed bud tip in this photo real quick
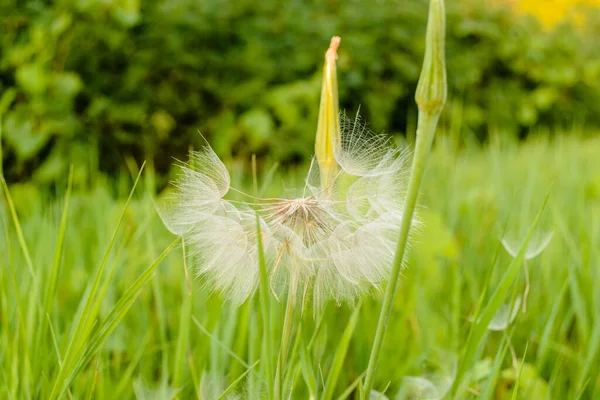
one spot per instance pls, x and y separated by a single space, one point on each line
331 54
328 126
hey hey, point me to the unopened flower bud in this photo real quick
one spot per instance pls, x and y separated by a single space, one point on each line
328 128
432 87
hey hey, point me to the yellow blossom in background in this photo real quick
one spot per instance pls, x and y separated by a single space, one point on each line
552 12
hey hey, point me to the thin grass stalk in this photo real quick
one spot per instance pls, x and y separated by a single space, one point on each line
18 230
264 310
519 374
340 354
20 338
52 279
90 304
308 373
484 315
350 389
114 317
184 328
304 349
286 335
26 320
125 378
294 369
253 351
237 381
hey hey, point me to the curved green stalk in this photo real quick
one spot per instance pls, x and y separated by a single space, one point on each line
264 309
430 97
426 124
286 335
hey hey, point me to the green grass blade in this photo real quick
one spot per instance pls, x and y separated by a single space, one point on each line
94 383
90 303
579 304
544 345
219 343
241 337
237 381
21 362
19 231
591 359
126 377
54 341
265 311
115 316
519 374
350 389
294 363
182 338
286 335
52 279
55 267
361 390
26 327
194 375
307 348
575 269
340 355
308 373
254 344
582 391
480 325
488 391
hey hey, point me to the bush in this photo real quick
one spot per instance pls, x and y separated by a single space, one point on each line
94 81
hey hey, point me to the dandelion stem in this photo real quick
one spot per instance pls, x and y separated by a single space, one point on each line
427 123
286 335
430 98
264 309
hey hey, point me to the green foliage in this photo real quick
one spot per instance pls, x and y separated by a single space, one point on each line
150 338
93 81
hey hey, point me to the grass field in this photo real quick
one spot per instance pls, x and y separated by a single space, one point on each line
85 322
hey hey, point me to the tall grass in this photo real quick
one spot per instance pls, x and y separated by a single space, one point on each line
485 245
138 336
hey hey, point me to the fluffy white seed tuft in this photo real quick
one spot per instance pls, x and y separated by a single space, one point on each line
335 242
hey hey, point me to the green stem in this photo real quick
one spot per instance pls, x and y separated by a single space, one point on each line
425 133
264 310
286 335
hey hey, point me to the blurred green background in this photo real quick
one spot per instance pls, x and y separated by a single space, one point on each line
96 81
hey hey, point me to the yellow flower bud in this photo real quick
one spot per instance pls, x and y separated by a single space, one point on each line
328 128
432 87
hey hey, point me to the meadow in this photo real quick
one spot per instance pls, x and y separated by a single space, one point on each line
264 277
96 300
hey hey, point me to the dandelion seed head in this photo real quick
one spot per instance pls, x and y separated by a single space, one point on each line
197 192
224 246
536 246
337 240
305 216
